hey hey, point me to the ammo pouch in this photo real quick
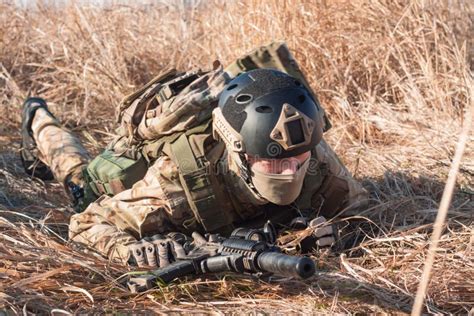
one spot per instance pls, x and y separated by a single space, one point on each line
205 194
110 173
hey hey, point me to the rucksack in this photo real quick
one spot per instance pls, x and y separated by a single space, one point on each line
159 119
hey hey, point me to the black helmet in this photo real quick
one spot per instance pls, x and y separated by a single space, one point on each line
269 114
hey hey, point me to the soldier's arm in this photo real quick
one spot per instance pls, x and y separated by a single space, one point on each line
91 228
339 190
155 204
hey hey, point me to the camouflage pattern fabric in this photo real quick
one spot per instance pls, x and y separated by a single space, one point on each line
192 105
157 203
59 148
357 197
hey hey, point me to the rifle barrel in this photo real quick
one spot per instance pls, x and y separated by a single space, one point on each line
284 265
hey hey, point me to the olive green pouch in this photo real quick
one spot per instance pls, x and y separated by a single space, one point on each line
110 173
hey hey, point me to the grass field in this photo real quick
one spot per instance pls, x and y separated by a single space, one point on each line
394 76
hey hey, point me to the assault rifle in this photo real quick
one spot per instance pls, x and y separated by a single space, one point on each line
247 251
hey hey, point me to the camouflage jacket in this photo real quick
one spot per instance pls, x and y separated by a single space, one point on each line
158 203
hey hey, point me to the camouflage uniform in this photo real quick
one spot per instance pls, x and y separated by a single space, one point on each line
157 203
58 148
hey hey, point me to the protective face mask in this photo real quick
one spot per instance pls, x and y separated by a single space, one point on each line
280 189
243 188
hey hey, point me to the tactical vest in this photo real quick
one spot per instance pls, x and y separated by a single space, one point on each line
152 123
158 120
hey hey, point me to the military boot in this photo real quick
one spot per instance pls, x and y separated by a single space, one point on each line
29 151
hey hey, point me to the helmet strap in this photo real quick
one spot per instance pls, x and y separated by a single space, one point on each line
244 169
245 173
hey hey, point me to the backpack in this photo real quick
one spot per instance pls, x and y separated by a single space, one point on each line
159 119
162 117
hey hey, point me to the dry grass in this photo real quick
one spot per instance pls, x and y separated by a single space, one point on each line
394 77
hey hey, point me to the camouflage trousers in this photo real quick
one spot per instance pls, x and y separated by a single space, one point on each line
59 149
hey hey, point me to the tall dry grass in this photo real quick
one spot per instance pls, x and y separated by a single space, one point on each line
394 77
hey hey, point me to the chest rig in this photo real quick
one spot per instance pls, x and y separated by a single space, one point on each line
170 115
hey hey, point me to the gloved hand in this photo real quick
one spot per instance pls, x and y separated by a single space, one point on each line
159 250
325 233
322 234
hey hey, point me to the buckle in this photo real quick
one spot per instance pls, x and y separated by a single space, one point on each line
77 192
100 187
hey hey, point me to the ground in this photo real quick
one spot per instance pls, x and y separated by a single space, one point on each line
395 79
